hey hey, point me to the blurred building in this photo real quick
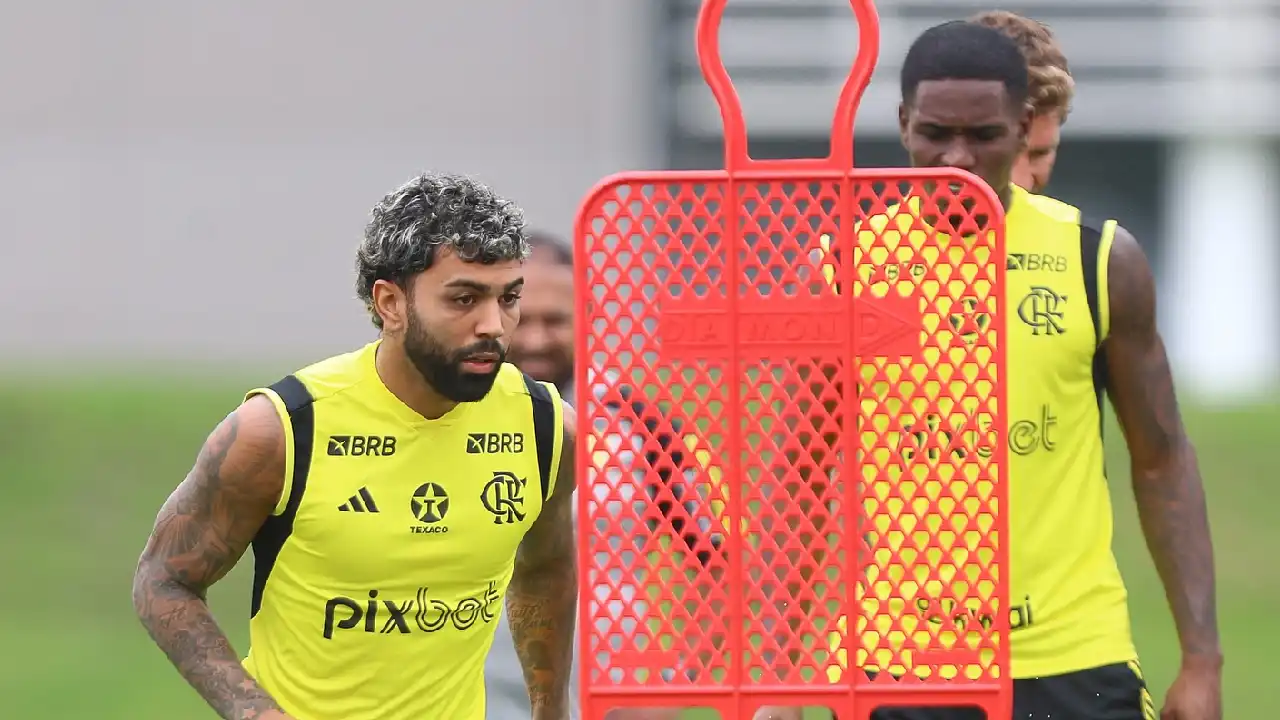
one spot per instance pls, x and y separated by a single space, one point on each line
1173 133
188 181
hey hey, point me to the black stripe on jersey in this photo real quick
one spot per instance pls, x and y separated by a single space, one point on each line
273 533
368 500
1090 246
544 429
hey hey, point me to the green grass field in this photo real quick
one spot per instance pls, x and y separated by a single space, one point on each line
86 468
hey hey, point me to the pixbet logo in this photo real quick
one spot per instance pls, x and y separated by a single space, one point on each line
422 614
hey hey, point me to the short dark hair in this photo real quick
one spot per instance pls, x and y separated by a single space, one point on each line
960 50
559 250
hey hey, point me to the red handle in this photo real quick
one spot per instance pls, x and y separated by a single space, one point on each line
735 129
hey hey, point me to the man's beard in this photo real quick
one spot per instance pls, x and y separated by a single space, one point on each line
443 369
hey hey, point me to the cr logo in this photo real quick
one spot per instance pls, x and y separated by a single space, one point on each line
504 497
1042 310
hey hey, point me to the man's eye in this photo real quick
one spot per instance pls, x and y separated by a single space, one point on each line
511 298
465 300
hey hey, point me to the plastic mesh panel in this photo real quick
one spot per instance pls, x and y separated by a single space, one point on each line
790 450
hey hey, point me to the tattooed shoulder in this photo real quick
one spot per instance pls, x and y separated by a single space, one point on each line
208 521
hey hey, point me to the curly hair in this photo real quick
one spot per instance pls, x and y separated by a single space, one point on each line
1052 87
412 223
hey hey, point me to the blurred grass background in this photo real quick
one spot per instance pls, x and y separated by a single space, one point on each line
87 464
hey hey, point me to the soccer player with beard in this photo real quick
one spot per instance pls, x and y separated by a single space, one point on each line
394 497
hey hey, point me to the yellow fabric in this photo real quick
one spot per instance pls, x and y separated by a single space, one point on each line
278 404
386 610
1069 608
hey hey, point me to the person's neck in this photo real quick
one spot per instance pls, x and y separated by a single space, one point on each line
404 381
1006 196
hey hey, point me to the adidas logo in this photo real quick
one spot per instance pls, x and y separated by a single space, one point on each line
360 502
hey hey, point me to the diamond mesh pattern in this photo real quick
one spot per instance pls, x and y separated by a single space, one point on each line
791 452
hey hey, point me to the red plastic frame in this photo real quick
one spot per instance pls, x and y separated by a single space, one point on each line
769 279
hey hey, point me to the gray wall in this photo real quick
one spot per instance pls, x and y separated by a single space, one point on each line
190 179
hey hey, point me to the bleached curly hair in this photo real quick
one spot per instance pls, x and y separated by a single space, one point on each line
1052 88
431 213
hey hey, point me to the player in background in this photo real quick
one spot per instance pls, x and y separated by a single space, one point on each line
1088 329
543 346
394 496
543 343
1050 92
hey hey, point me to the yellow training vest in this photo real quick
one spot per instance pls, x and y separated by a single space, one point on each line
379 579
1069 605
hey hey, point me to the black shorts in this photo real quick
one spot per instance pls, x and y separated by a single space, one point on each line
1110 692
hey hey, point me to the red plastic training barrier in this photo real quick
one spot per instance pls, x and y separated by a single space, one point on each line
791 451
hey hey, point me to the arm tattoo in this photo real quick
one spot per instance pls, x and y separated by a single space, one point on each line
542 599
1166 479
200 534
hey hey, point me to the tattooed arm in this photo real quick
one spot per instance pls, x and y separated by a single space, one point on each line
542 599
1166 479
200 534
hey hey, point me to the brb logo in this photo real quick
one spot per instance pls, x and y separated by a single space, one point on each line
423 613
1037 262
504 497
362 445
495 443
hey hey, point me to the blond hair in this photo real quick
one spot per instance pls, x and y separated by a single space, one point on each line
1051 86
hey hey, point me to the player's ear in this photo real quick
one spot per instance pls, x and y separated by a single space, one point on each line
904 117
1024 124
391 302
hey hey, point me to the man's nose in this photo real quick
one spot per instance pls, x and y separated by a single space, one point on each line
959 155
489 321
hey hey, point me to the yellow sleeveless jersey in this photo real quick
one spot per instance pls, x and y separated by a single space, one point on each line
379 578
1068 602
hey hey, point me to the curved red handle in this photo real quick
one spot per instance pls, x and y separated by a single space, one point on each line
736 156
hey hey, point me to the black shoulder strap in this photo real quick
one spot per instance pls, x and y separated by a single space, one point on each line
273 533
1090 248
544 429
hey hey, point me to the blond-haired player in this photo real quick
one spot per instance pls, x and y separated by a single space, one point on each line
1050 92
